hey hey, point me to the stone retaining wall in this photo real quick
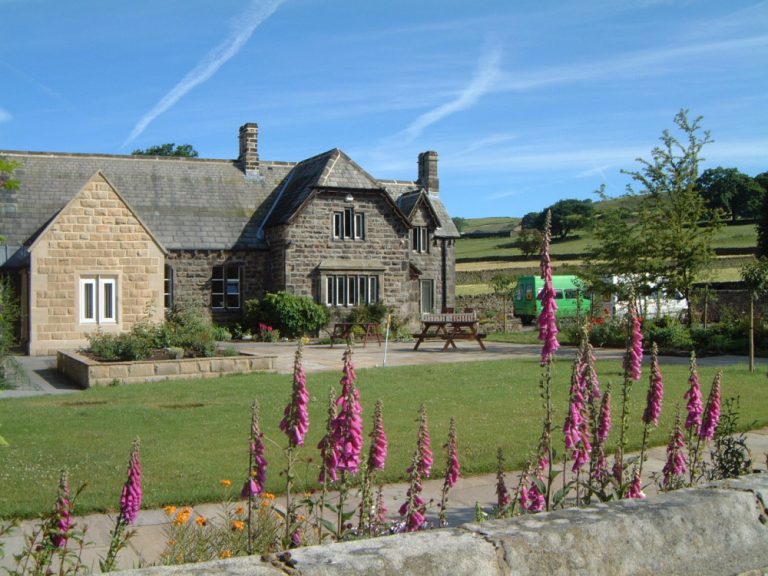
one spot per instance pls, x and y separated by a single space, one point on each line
719 529
86 372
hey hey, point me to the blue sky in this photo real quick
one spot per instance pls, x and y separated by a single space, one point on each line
526 102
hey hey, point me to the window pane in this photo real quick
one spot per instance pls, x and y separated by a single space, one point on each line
168 287
373 289
362 289
340 291
89 300
338 225
330 283
352 290
217 300
360 226
415 239
108 300
348 223
424 239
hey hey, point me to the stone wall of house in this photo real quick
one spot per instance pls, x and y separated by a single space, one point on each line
309 242
440 254
192 272
95 234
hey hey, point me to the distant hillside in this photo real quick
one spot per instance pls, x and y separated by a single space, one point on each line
498 225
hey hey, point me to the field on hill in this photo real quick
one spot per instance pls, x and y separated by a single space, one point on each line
500 254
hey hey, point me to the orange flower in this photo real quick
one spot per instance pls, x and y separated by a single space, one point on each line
182 517
238 525
201 521
171 542
225 554
170 510
239 510
268 496
226 483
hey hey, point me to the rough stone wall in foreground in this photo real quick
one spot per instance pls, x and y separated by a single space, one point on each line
720 529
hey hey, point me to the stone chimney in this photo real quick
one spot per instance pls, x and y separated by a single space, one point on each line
249 148
428 172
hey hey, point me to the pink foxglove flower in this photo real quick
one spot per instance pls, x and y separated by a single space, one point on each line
130 499
548 317
675 465
63 514
693 395
414 509
329 467
348 426
295 422
711 418
453 468
636 488
635 360
381 507
377 456
655 391
423 445
502 493
531 499
604 422
257 467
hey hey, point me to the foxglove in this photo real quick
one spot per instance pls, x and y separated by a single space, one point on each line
655 391
348 425
548 318
675 465
295 422
693 395
711 417
130 499
257 468
62 514
377 455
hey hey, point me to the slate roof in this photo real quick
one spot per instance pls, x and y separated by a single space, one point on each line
187 203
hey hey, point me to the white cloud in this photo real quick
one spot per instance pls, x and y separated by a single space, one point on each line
246 24
5 116
483 82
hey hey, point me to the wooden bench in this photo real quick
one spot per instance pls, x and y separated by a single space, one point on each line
344 330
450 337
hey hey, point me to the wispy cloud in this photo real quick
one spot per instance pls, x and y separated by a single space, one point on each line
483 82
5 116
244 28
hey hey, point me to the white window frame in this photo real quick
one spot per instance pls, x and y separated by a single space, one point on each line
99 304
168 287
349 290
420 239
347 224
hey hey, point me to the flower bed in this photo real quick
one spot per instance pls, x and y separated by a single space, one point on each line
87 372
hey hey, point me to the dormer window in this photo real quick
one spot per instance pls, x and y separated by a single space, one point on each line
420 239
349 225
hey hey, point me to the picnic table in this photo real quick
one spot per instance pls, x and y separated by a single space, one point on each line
449 327
343 331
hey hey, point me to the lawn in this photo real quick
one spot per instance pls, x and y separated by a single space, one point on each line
194 433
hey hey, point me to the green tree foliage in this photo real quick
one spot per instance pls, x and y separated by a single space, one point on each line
762 220
528 241
677 224
170 149
7 181
567 216
9 315
731 191
460 223
755 277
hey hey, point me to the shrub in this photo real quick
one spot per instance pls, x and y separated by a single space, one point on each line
191 328
221 333
670 335
368 313
292 315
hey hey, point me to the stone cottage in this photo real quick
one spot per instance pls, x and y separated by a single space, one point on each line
99 242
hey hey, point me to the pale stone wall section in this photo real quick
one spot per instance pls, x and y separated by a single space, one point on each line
96 233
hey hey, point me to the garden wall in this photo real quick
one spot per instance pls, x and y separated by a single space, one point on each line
86 372
719 529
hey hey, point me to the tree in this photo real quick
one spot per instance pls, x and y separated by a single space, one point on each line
567 215
183 150
460 223
762 220
755 276
731 191
529 241
503 286
677 221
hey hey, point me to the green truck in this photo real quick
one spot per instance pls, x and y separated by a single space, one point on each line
570 300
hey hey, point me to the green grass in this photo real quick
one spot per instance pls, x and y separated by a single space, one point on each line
492 224
194 433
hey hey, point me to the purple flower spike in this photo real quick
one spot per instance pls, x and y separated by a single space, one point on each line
531 499
693 395
377 456
423 445
604 422
636 488
655 391
348 425
711 418
257 464
635 360
453 469
548 317
63 514
295 422
675 465
130 499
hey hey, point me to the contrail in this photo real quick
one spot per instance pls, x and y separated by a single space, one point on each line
246 24
486 76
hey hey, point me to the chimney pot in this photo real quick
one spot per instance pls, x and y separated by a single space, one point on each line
428 172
